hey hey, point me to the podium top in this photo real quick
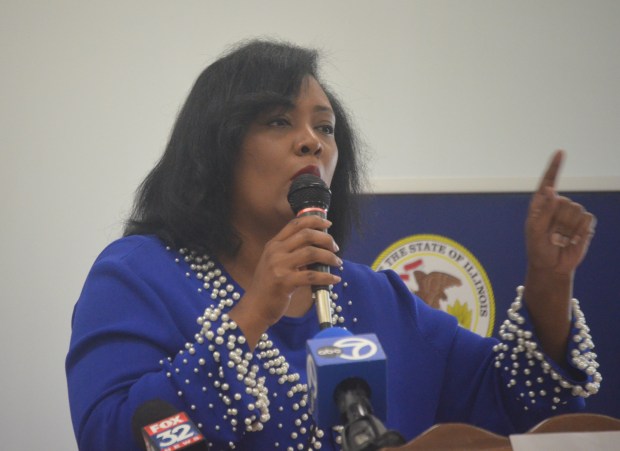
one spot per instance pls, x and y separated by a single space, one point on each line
460 436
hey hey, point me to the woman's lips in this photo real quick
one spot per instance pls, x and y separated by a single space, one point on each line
314 170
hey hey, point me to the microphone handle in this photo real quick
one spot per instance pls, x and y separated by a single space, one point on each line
320 293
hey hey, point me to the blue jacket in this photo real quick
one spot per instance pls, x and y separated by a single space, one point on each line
136 337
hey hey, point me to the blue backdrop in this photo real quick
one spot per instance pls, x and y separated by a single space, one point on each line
491 227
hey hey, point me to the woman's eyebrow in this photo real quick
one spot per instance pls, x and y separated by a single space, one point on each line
323 108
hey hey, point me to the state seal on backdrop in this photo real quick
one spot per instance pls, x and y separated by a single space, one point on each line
446 276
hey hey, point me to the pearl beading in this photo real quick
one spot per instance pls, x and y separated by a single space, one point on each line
229 349
519 352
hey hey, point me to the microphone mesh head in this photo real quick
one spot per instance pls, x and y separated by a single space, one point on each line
308 190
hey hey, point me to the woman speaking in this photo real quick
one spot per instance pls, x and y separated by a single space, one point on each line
206 302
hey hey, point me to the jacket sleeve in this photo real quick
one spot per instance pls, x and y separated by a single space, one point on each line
128 346
505 384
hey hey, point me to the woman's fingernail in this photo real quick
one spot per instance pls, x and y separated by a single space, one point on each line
557 239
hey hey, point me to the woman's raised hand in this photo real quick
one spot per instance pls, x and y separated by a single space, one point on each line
557 230
557 234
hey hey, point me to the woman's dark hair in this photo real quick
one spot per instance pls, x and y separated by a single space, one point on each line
185 199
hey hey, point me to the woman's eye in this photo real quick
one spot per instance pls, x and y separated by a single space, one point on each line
327 129
279 122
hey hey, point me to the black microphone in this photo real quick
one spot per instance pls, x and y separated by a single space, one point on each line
159 426
310 196
363 431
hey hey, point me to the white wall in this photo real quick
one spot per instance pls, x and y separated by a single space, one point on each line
461 90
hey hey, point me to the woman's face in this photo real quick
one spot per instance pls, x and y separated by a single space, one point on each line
279 145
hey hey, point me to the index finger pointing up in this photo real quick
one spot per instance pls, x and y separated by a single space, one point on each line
552 171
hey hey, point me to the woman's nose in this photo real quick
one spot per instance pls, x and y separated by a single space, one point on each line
308 143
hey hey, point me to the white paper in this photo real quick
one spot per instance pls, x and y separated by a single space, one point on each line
567 441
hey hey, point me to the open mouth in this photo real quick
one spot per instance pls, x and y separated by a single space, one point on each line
311 169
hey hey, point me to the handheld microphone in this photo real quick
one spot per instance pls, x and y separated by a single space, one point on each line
309 195
158 426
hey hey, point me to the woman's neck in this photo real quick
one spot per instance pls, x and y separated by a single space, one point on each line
242 264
